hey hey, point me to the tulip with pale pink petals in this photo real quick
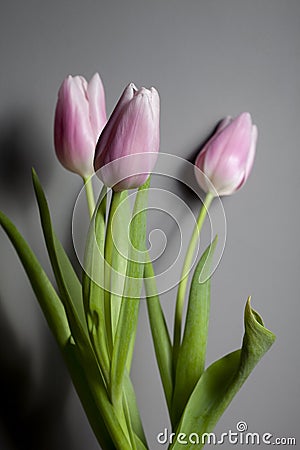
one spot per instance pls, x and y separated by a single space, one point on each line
227 158
127 149
79 119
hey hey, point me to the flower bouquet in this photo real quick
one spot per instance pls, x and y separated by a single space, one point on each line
94 319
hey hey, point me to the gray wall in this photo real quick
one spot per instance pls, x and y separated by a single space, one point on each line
207 58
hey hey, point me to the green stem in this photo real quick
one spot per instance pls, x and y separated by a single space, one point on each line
181 293
89 194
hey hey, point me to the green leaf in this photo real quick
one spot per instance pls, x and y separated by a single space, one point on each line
129 424
128 317
67 281
93 294
120 233
116 252
88 362
133 409
92 285
222 380
43 289
160 333
78 327
110 310
192 353
95 399
139 444
82 388
68 284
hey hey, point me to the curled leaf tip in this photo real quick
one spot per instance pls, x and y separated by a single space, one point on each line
254 324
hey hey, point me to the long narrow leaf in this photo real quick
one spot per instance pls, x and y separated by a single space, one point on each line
79 330
130 303
139 444
192 353
81 385
110 309
67 281
43 289
160 333
77 323
129 424
120 234
93 294
222 380
92 285
99 393
133 409
54 312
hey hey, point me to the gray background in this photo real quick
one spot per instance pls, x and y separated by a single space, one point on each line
207 59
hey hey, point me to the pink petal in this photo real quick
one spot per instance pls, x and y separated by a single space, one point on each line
127 95
97 110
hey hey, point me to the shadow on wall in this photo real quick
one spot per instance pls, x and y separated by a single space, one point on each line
32 416
21 147
186 191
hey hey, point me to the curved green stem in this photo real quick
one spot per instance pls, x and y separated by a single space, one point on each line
181 293
89 194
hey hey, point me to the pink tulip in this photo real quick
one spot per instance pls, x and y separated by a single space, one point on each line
79 119
227 158
127 149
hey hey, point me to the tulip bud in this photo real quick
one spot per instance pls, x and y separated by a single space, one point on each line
127 149
227 158
79 119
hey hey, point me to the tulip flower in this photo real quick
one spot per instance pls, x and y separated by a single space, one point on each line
227 158
79 119
127 149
